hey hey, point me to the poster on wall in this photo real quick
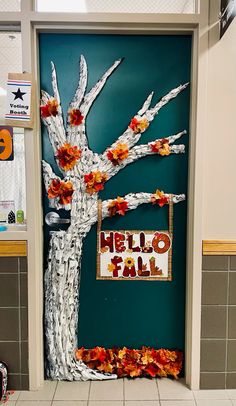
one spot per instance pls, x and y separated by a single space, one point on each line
19 100
227 14
134 255
6 143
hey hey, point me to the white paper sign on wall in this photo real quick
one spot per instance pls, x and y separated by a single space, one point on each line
19 100
134 255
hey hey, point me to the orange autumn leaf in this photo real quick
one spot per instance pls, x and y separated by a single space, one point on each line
159 198
49 109
62 190
95 181
138 125
131 362
118 154
75 117
161 147
67 156
117 206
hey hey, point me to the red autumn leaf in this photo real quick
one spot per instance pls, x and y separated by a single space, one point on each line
68 155
49 109
75 117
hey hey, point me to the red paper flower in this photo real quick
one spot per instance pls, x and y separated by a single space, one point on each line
131 362
63 190
95 181
75 117
161 147
118 154
49 109
117 206
159 198
68 156
138 125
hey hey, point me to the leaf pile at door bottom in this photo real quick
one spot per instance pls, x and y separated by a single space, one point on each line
129 362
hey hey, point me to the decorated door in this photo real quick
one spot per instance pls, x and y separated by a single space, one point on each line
131 313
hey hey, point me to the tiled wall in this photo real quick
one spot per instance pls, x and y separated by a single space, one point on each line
14 320
218 330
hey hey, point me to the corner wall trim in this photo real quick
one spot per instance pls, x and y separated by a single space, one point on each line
219 247
13 248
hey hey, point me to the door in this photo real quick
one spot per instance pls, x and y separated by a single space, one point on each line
128 313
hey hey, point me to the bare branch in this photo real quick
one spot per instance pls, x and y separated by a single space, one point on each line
169 96
54 124
83 78
94 92
146 104
139 151
48 174
130 137
133 199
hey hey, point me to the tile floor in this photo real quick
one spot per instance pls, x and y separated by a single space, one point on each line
122 392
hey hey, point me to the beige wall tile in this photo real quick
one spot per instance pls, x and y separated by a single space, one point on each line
213 355
107 390
215 262
214 288
213 321
72 391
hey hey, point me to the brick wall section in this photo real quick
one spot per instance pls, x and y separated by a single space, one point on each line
218 326
14 320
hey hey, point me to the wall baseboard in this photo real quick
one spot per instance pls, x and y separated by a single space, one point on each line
13 248
219 247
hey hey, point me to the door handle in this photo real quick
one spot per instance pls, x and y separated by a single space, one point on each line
53 218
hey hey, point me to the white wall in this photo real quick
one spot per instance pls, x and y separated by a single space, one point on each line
219 191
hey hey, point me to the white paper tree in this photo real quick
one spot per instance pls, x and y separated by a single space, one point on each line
78 193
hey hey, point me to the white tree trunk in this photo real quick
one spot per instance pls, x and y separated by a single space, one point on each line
62 283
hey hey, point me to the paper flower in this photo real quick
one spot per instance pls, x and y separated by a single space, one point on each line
62 190
129 262
117 206
118 154
161 147
49 109
111 267
130 362
75 117
95 181
68 155
159 198
138 125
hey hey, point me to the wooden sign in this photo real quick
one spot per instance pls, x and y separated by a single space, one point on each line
19 110
6 143
227 14
134 255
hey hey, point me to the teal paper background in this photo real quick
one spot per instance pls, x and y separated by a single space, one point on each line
130 313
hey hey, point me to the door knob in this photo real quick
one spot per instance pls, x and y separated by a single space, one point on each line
53 218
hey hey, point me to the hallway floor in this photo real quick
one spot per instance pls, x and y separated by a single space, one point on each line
122 392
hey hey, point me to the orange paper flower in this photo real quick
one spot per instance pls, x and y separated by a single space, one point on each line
68 156
131 362
117 206
161 147
159 198
95 181
61 189
75 117
49 109
138 126
118 154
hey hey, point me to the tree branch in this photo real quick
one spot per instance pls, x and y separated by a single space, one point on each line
94 92
131 138
137 152
133 199
48 176
82 84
